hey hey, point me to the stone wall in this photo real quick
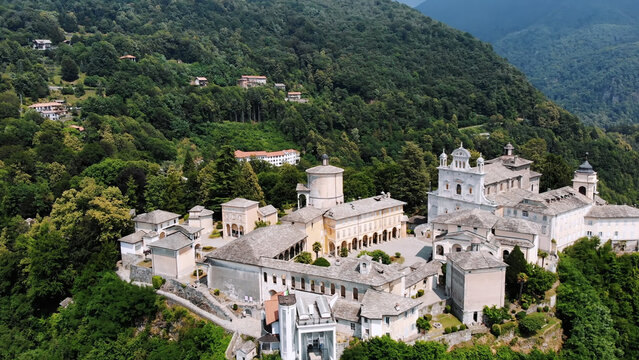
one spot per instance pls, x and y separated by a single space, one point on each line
195 296
141 274
455 338
130 259
433 309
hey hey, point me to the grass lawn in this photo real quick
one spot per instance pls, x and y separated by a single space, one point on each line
552 322
447 320
146 263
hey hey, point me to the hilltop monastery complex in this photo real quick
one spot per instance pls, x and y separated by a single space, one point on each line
476 217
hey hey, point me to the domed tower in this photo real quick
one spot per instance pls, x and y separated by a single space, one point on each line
443 159
508 149
480 164
585 180
325 185
461 159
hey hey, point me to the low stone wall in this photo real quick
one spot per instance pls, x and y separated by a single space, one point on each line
195 296
141 274
130 259
455 338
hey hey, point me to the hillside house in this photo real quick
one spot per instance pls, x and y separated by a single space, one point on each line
51 110
42 44
248 81
200 81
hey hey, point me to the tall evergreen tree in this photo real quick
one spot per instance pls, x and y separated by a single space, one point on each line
217 179
517 264
413 185
69 69
247 185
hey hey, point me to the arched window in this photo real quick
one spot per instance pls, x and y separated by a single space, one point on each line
343 291
265 277
470 190
292 282
582 190
355 292
322 288
440 250
446 186
332 289
284 280
303 284
505 255
312 285
459 189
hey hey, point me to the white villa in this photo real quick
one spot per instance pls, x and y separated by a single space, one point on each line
42 44
275 158
51 110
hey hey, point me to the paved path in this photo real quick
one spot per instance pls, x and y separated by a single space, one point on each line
246 326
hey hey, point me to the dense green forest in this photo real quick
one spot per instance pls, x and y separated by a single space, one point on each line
597 301
580 53
388 89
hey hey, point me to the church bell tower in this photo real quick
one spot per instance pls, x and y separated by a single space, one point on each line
585 180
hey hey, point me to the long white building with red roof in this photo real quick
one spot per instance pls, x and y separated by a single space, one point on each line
277 158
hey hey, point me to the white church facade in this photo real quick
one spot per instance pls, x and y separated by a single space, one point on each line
507 187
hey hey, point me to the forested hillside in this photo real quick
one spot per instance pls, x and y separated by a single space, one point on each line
388 89
581 54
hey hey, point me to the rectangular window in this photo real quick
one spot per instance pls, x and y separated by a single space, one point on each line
543 229
353 326
458 228
589 233
274 279
515 212
387 320
524 213
600 234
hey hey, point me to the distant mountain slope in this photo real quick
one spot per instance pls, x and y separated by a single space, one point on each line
584 54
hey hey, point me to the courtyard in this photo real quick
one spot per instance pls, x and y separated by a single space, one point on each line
412 249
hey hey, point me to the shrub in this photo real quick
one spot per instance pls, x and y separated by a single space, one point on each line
546 308
208 248
513 311
321 262
343 252
447 309
531 324
216 292
447 330
525 306
539 309
495 315
67 90
463 327
218 226
92 81
423 324
495 330
453 329
514 341
420 293
200 271
398 254
304 257
235 307
428 317
157 282
520 315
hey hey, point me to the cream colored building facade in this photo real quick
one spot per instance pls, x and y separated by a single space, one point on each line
474 279
173 256
354 225
240 215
